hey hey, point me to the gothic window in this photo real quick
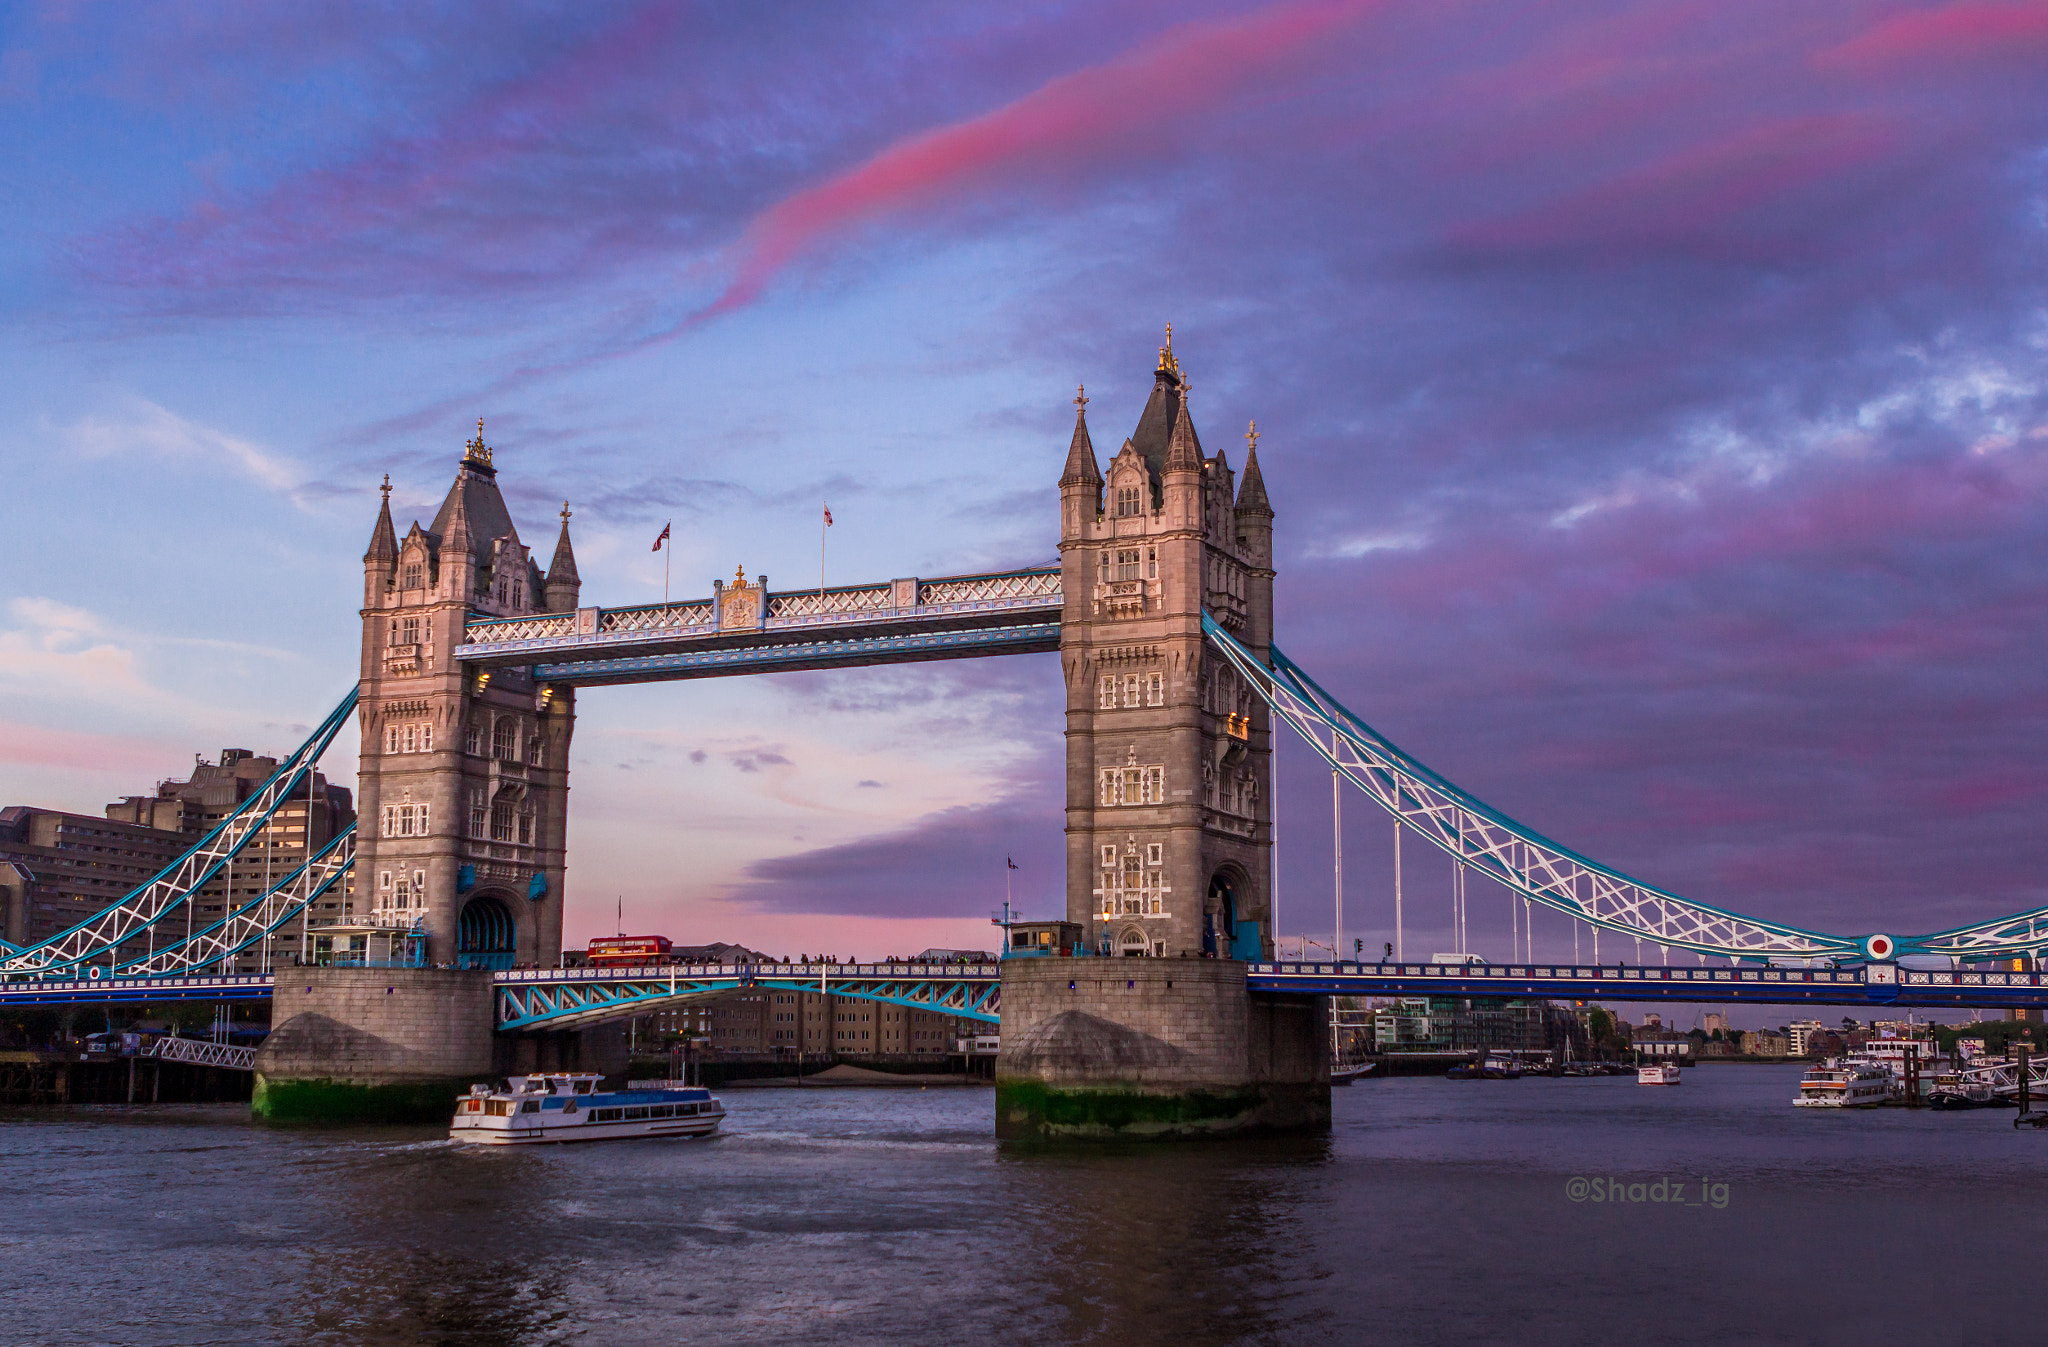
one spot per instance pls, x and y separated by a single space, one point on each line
391 738
1127 564
1128 501
1130 689
412 739
1108 856
426 738
390 820
1155 853
518 593
1105 568
1155 689
505 740
1132 786
412 576
471 740
419 886
536 751
383 881
1151 563
405 820
526 827
394 632
412 631
476 811
501 591
501 821
1105 693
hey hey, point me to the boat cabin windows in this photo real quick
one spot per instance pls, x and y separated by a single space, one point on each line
497 1108
530 1106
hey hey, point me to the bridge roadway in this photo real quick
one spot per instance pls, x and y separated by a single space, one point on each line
746 629
564 998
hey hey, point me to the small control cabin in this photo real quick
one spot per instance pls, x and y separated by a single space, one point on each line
1044 939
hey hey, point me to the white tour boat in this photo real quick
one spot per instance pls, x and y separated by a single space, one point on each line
1657 1073
1840 1084
570 1107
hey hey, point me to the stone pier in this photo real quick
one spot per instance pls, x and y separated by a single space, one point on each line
398 1045
1102 1048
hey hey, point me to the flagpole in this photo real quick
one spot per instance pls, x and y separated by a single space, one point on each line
666 553
822 526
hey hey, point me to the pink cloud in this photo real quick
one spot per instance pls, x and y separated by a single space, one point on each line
126 755
1074 121
2008 32
1717 196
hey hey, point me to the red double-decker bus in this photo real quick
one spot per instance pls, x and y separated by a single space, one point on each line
628 951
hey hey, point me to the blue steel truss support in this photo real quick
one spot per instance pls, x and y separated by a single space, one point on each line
100 935
1537 868
255 920
1513 855
529 999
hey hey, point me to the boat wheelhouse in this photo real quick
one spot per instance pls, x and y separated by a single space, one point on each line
571 1107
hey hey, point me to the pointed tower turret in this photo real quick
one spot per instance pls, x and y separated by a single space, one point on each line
563 584
1251 491
1081 469
380 563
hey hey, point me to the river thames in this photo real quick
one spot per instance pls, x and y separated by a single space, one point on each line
1435 1212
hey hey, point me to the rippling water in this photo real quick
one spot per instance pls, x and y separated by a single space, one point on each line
1435 1212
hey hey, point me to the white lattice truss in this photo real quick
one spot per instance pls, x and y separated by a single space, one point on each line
1533 866
253 921
1517 857
102 934
99 935
552 633
199 1052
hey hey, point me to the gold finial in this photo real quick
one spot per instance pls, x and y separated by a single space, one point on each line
739 575
386 489
565 514
479 452
1251 437
1081 395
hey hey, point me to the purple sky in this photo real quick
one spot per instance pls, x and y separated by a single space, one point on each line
1652 398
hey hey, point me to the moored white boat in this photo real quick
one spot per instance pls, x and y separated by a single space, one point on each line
1844 1084
1658 1073
570 1107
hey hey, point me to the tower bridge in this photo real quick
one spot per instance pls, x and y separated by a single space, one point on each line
1160 607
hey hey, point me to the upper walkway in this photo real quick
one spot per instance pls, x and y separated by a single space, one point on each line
745 629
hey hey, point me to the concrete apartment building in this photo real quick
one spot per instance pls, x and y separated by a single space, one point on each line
57 868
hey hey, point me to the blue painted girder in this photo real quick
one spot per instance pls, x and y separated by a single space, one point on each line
1886 984
562 998
784 657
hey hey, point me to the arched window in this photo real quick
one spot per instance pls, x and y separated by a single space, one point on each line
1128 501
412 575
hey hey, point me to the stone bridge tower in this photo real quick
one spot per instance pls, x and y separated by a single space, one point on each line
1169 760
465 775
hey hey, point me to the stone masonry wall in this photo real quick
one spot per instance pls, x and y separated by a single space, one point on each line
379 1026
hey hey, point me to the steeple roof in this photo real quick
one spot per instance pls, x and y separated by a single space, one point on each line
473 501
1251 488
1081 467
563 567
1154 435
383 538
1183 450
